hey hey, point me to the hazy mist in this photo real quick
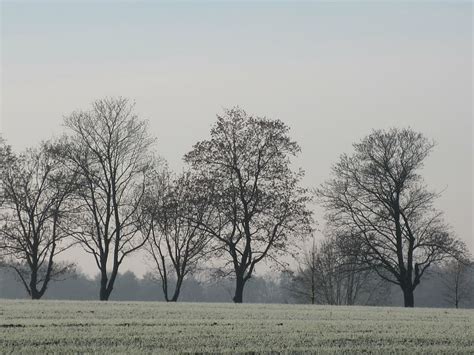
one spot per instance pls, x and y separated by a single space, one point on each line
332 72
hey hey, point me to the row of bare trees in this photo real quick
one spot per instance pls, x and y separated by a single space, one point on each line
101 187
238 204
326 275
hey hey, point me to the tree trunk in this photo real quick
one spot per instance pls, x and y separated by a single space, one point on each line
239 290
177 290
408 297
456 294
35 295
104 294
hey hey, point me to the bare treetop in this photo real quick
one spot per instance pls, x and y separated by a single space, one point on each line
113 137
35 216
110 146
173 212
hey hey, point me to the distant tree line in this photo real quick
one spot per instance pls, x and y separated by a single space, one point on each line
239 203
260 289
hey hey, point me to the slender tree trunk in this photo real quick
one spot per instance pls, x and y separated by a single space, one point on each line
408 297
177 290
239 289
164 284
456 292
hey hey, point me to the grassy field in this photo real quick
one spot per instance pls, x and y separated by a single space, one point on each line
131 327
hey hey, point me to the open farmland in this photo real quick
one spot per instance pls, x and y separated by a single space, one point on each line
125 327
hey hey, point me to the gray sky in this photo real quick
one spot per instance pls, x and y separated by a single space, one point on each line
331 71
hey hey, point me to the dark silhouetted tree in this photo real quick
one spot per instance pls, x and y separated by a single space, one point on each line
244 169
303 284
457 281
35 213
171 214
326 275
378 201
110 147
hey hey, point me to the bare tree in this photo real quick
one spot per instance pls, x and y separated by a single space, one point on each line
336 283
34 214
378 200
171 216
303 285
325 275
244 169
457 281
110 147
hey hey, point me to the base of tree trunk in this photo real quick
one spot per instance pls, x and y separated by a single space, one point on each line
408 298
239 292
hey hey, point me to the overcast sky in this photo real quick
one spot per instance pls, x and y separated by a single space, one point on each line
331 71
